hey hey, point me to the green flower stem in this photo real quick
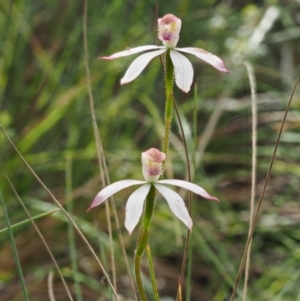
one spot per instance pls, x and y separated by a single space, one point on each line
150 201
142 243
169 73
138 278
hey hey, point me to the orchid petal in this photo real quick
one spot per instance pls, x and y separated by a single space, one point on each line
183 70
205 56
134 207
130 52
139 64
176 204
108 191
189 186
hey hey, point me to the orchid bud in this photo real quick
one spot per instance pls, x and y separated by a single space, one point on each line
152 161
168 30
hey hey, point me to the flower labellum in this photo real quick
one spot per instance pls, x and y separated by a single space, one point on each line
168 30
152 161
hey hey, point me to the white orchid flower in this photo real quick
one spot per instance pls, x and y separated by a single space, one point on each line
168 32
152 161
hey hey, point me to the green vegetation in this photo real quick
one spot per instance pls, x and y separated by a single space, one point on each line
44 109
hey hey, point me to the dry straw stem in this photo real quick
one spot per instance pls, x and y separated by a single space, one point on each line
64 212
201 147
100 154
252 82
261 197
101 161
50 286
188 234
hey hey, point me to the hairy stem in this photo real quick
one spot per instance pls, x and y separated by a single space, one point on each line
143 239
169 77
150 201
142 243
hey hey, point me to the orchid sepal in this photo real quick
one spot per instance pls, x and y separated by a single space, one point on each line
205 56
189 186
139 64
111 189
130 51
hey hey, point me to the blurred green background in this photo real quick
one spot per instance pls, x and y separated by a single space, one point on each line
44 108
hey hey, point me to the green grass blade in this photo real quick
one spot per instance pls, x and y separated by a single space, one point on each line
71 232
14 248
28 220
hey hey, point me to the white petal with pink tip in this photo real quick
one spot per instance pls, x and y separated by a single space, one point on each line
189 186
205 56
131 51
139 64
110 190
176 204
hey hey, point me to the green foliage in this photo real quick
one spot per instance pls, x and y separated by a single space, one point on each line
44 109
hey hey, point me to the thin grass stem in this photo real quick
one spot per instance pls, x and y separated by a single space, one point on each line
50 286
256 214
179 289
252 82
100 154
189 274
42 239
195 122
14 248
152 274
102 162
188 235
24 222
71 233
67 215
